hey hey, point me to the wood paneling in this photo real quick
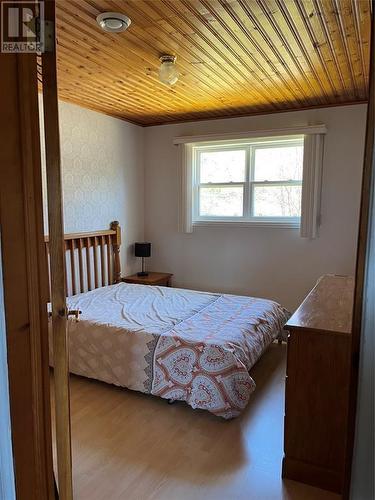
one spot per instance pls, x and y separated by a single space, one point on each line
235 57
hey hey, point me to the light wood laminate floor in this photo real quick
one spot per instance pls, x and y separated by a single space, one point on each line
136 447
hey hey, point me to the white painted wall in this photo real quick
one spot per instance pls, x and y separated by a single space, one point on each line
103 175
266 262
113 170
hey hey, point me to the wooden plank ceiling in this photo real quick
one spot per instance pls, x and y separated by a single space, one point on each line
235 57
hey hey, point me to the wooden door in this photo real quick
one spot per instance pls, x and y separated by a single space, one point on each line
57 261
25 277
25 274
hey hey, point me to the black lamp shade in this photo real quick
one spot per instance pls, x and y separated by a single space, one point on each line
142 249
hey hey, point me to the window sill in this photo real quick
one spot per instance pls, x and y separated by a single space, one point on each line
260 223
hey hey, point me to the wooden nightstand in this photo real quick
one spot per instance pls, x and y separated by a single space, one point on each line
161 279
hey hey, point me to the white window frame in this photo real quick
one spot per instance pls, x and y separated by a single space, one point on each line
248 184
310 219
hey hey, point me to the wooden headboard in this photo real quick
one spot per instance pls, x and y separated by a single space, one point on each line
92 259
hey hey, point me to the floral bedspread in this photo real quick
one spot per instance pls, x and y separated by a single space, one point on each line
213 373
176 344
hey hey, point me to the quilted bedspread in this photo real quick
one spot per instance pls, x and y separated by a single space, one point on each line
178 344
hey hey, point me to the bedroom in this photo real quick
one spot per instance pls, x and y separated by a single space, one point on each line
253 77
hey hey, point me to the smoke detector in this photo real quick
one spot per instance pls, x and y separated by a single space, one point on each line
113 22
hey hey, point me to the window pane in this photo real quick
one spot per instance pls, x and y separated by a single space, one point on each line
223 166
278 164
221 201
277 201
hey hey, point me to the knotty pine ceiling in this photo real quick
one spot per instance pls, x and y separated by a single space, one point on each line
235 57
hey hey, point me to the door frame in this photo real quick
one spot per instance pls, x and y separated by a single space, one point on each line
25 277
360 274
59 311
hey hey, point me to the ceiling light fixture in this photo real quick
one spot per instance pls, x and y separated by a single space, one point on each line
168 72
113 22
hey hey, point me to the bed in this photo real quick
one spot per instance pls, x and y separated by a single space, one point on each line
177 344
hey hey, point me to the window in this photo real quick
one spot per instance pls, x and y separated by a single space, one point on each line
254 181
269 178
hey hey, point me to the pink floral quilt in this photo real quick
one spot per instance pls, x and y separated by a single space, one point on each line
212 373
176 344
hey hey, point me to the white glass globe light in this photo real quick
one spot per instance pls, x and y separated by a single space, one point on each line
168 72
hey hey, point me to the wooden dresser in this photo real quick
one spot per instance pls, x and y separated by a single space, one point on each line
317 385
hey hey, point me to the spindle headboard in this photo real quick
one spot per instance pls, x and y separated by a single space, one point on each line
92 259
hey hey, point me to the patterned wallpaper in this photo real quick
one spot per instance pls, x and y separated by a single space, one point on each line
102 169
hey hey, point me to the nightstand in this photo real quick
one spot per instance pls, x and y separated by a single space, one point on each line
161 279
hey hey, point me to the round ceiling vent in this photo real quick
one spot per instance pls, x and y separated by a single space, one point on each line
113 22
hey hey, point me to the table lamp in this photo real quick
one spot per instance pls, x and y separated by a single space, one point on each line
142 249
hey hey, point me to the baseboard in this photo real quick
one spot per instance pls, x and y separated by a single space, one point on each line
312 474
